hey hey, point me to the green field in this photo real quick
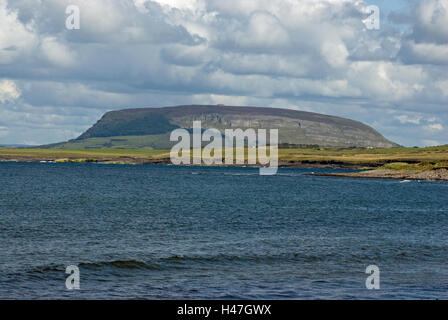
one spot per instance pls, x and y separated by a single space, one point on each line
156 141
82 155
394 158
368 156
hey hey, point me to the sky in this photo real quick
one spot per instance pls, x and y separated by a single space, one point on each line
311 55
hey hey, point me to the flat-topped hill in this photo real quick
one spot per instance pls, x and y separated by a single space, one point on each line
151 127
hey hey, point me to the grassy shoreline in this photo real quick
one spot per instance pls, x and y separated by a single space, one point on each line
394 159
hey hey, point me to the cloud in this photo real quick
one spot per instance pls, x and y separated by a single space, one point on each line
8 91
427 42
406 119
16 39
314 55
57 53
431 21
424 53
263 31
3 132
434 127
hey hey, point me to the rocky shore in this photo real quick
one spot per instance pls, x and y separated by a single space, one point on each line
437 174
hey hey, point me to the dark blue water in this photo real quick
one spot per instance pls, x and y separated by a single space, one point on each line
173 232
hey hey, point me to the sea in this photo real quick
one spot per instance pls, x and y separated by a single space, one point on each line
169 232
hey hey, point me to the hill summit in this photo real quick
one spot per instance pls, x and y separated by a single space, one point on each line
151 127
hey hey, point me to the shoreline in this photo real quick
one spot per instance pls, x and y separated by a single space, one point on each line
430 163
300 165
303 164
427 175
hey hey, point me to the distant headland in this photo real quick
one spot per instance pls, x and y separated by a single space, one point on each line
151 127
306 140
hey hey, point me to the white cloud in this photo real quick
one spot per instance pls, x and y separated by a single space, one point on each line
311 54
407 119
57 53
434 127
16 39
431 53
335 53
386 81
8 91
263 31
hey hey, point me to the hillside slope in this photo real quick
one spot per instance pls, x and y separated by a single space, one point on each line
150 127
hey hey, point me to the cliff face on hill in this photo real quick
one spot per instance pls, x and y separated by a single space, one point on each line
150 127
